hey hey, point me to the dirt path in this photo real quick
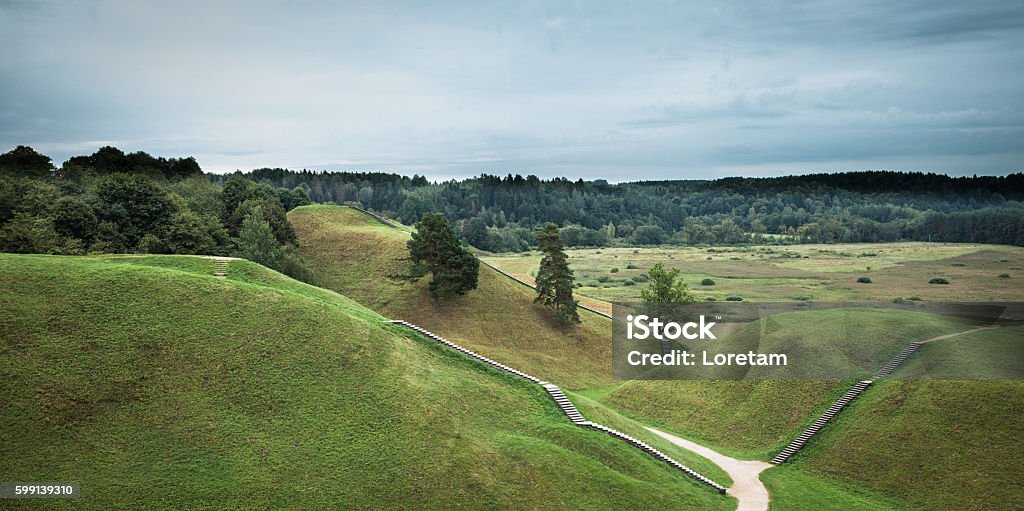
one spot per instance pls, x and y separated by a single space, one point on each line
746 483
947 336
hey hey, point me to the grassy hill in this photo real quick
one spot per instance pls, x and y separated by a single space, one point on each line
156 385
358 256
364 259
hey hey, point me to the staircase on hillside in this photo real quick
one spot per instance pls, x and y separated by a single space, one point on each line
816 426
898 361
220 268
566 405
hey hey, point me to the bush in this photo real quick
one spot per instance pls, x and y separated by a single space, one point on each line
733 298
710 299
642 278
632 267
803 298
864 280
707 282
629 282
602 278
898 299
709 258
914 298
958 264
868 254
1004 275
938 280
615 270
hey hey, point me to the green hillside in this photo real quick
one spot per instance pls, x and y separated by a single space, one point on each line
356 255
156 385
364 259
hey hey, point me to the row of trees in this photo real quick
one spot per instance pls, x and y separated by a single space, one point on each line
112 202
501 214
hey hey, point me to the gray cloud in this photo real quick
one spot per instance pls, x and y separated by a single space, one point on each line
616 90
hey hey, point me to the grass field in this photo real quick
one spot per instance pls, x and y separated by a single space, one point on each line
156 385
801 272
746 419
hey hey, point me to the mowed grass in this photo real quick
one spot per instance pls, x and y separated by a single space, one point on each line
801 272
365 260
157 386
932 444
757 418
745 419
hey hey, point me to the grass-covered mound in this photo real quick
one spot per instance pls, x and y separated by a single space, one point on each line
932 444
155 385
360 257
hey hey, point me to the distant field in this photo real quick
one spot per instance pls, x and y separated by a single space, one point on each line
801 272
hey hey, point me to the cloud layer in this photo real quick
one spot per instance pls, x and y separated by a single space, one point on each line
620 91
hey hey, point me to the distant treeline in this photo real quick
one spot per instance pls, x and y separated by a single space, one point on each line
116 202
499 214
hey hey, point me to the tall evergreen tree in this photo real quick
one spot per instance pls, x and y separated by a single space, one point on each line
435 248
554 278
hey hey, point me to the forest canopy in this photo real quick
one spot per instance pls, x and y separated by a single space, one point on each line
500 213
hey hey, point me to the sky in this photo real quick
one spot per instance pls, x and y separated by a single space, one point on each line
596 90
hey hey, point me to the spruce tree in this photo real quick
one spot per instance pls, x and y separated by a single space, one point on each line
554 278
435 248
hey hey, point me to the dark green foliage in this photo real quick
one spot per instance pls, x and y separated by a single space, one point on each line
1004 275
864 280
23 161
826 208
733 298
256 241
74 218
112 202
603 278
707 282
632 267
614 270
629 282
134 204
435 248
938 280
641 278
554 278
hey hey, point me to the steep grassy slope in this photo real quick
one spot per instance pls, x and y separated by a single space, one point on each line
745 419
158 386
364 259
933 444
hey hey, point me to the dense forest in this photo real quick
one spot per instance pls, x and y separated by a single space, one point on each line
113 202
500 214
117 202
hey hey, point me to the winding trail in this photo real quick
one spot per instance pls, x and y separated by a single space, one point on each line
746 481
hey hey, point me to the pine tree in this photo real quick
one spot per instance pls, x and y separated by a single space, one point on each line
554 278
435 248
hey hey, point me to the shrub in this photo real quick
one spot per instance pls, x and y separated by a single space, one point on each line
868 254
914 298
636 251
733 298
709 258
898 299
938 280
615 270
864 280
642 278
629 282
958 264
710 299
803 298
707 282
632 267
1004 260
602 278
1004 275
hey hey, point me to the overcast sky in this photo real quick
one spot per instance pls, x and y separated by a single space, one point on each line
620 91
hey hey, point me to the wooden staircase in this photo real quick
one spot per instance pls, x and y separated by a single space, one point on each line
220 268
